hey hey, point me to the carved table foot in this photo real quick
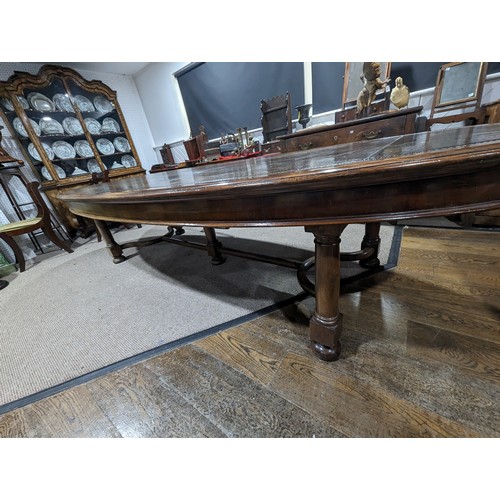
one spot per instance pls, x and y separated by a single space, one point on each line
326 353
325 326
114 248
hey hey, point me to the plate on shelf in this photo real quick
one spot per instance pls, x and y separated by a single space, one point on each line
60 171
83 149
79 171
63 103
128 161
49 126
7 104
121 144
23 101
63 150
72 126
93 166
105 147
102 104
19 127
93 126
46 173
84 104
110 125
34 153
40 102
116 165
10 107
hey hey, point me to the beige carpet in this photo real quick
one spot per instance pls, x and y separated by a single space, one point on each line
72 314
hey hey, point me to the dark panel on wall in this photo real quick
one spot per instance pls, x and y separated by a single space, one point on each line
416 75
493 67
327 85
224 96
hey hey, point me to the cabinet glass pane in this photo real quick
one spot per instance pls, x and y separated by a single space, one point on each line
59 130
104 123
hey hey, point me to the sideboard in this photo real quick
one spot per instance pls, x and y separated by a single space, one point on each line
385 124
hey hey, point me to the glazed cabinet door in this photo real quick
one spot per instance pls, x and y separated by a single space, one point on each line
45 124
107 133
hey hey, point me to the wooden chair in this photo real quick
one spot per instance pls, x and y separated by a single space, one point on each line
276 117
41 221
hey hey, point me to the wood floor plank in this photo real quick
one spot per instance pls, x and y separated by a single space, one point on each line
252 355
465 237
356 408
461 240
374 353
288 327
14 425
436 386
470 317
475 357
139 405
405 283
72 413
232 401
471 273
257 348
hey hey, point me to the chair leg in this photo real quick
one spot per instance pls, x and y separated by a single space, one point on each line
47 229
17 251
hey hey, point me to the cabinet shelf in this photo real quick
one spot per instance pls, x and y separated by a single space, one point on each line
35 112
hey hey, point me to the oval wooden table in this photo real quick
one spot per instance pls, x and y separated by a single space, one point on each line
418 175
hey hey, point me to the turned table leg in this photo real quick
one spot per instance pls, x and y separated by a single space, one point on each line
213 245
371 240
326 324
114 248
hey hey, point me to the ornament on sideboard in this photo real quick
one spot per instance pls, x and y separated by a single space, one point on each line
400 94
304 114
371 83
240 144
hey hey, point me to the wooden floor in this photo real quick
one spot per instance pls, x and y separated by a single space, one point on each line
421 358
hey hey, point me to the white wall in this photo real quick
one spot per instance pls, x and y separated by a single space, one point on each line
160 96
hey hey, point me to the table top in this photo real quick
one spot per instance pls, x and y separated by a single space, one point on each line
268 187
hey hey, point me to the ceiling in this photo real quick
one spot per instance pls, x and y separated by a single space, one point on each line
117 68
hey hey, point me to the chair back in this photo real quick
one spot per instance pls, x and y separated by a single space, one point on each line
276 117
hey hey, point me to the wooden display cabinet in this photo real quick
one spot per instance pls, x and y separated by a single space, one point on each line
67 128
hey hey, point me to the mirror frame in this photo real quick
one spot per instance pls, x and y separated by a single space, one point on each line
355 70
466 100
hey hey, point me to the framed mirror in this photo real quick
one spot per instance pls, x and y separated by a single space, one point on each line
459 83
353 83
